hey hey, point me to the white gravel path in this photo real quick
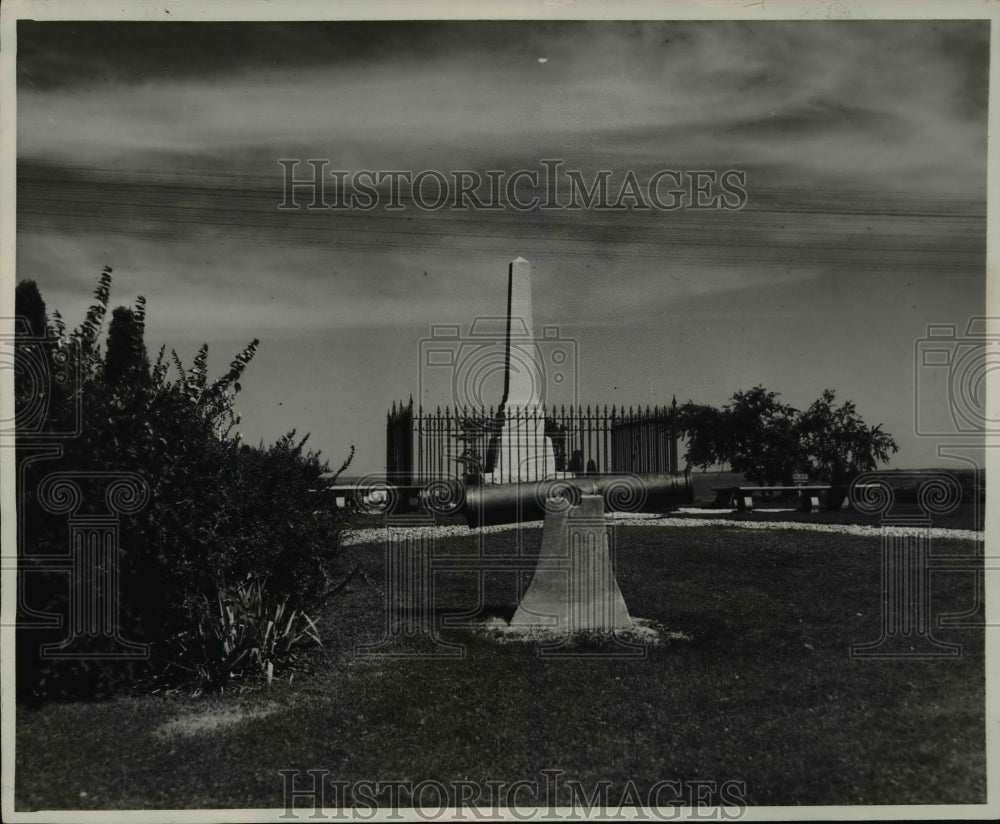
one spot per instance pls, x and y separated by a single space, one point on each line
355 537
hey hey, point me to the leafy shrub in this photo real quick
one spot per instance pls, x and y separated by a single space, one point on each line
218 510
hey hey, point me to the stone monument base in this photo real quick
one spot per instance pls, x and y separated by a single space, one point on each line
524 451
574 587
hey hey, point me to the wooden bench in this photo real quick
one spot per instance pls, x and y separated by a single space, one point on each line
742 496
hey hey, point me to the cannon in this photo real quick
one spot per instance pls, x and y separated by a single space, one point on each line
512 503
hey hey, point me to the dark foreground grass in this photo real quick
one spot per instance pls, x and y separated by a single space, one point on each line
765 693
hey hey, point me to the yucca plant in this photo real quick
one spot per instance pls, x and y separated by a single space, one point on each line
244 632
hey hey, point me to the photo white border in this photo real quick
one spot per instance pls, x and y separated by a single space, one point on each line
304 10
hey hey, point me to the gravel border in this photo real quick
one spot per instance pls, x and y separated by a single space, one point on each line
374 535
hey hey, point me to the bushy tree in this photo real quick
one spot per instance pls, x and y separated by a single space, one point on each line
839 443
126 359
754 433
30 307
768 440
762 442
33 361
706 431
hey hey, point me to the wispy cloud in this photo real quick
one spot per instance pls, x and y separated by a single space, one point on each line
154 147
846 100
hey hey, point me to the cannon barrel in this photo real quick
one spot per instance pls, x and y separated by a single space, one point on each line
511 503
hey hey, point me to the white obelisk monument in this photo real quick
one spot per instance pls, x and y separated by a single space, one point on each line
524 451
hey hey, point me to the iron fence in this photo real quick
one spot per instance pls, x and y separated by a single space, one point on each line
470 444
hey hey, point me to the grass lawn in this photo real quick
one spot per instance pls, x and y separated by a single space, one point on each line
764 692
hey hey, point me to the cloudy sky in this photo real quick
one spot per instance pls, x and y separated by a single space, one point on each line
153 148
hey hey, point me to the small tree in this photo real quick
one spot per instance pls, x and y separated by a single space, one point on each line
839 443
768 440
126 359
28 304
754 433
706 430
762 443
32 338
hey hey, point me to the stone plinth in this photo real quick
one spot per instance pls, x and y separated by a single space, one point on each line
574 587
524 452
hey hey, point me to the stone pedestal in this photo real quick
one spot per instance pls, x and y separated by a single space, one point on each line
574 587
524 452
